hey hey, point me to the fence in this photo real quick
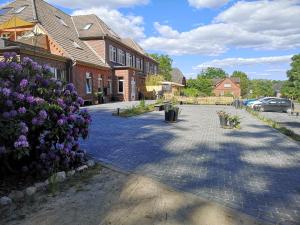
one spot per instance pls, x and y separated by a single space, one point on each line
201 100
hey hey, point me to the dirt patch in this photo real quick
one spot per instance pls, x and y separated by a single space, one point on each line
105 197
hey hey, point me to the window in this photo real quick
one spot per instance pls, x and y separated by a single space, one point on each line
76 45
4 10
147 64
20 9
100 84
59 74
155 69
5 35
109 87
87 26
62 21
142 64
112 53
121 57
227 85
138 63
128 59
133 61
120 85
88 83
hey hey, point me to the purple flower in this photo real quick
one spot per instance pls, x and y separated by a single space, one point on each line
27 60
39 100
70 87
6 115
23 83
16 66
23 127
22 110
9 103
43 114
8 55
80 100
30 99
34 121
46 68
6 92
60 122
60 146
20 97
21 142
3 65
13 113
2 150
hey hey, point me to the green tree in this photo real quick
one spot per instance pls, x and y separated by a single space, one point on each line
261 88
202 84
244 82
291 88
213 73
165 65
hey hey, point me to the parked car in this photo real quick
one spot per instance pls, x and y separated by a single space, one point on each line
259 101
248 101
275 105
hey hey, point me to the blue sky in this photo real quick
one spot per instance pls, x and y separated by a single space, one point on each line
257 37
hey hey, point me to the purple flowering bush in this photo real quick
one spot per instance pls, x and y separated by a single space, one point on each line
40 119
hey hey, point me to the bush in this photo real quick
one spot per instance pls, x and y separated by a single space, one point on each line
191 92
153 80
40 119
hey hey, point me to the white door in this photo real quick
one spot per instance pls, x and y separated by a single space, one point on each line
133 89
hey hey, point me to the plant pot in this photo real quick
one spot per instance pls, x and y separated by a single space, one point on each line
223 121
170 116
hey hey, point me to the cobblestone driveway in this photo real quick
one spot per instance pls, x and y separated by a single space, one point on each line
255 170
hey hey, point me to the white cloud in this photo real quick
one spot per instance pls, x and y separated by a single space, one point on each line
79 4
207 3
236 62
260 25
124 25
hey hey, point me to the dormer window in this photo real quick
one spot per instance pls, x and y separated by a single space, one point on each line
20 9
76 45
62 21
87 26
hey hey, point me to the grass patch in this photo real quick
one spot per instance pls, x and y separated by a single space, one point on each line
274 125
78 181
137 110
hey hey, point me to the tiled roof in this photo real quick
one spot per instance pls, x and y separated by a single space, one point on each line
97 29
59 26
132 44
177 76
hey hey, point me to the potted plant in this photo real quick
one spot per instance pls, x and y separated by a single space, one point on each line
223 116
234 121
171 113
99 97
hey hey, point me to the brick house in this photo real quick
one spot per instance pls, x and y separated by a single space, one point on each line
79 49
227 86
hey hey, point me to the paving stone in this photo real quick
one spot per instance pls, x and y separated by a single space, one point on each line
30 191
254 170
71 173
16 195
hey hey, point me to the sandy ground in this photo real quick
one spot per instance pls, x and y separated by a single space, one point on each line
106 197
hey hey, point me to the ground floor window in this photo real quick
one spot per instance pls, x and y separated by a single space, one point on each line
120 85
100 84
59 74
88 83
109 87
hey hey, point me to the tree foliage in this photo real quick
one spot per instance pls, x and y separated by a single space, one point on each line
202 84
261 88
291 88
244 82
213 73
165 65
152 80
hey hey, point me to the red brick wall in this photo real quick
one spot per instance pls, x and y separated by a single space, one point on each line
79 80
46 61
220 90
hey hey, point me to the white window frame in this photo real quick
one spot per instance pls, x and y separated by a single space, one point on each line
128 59
227 85
122 80
112 53
87 26
62 21
20 9
138 63
121 57
88 78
